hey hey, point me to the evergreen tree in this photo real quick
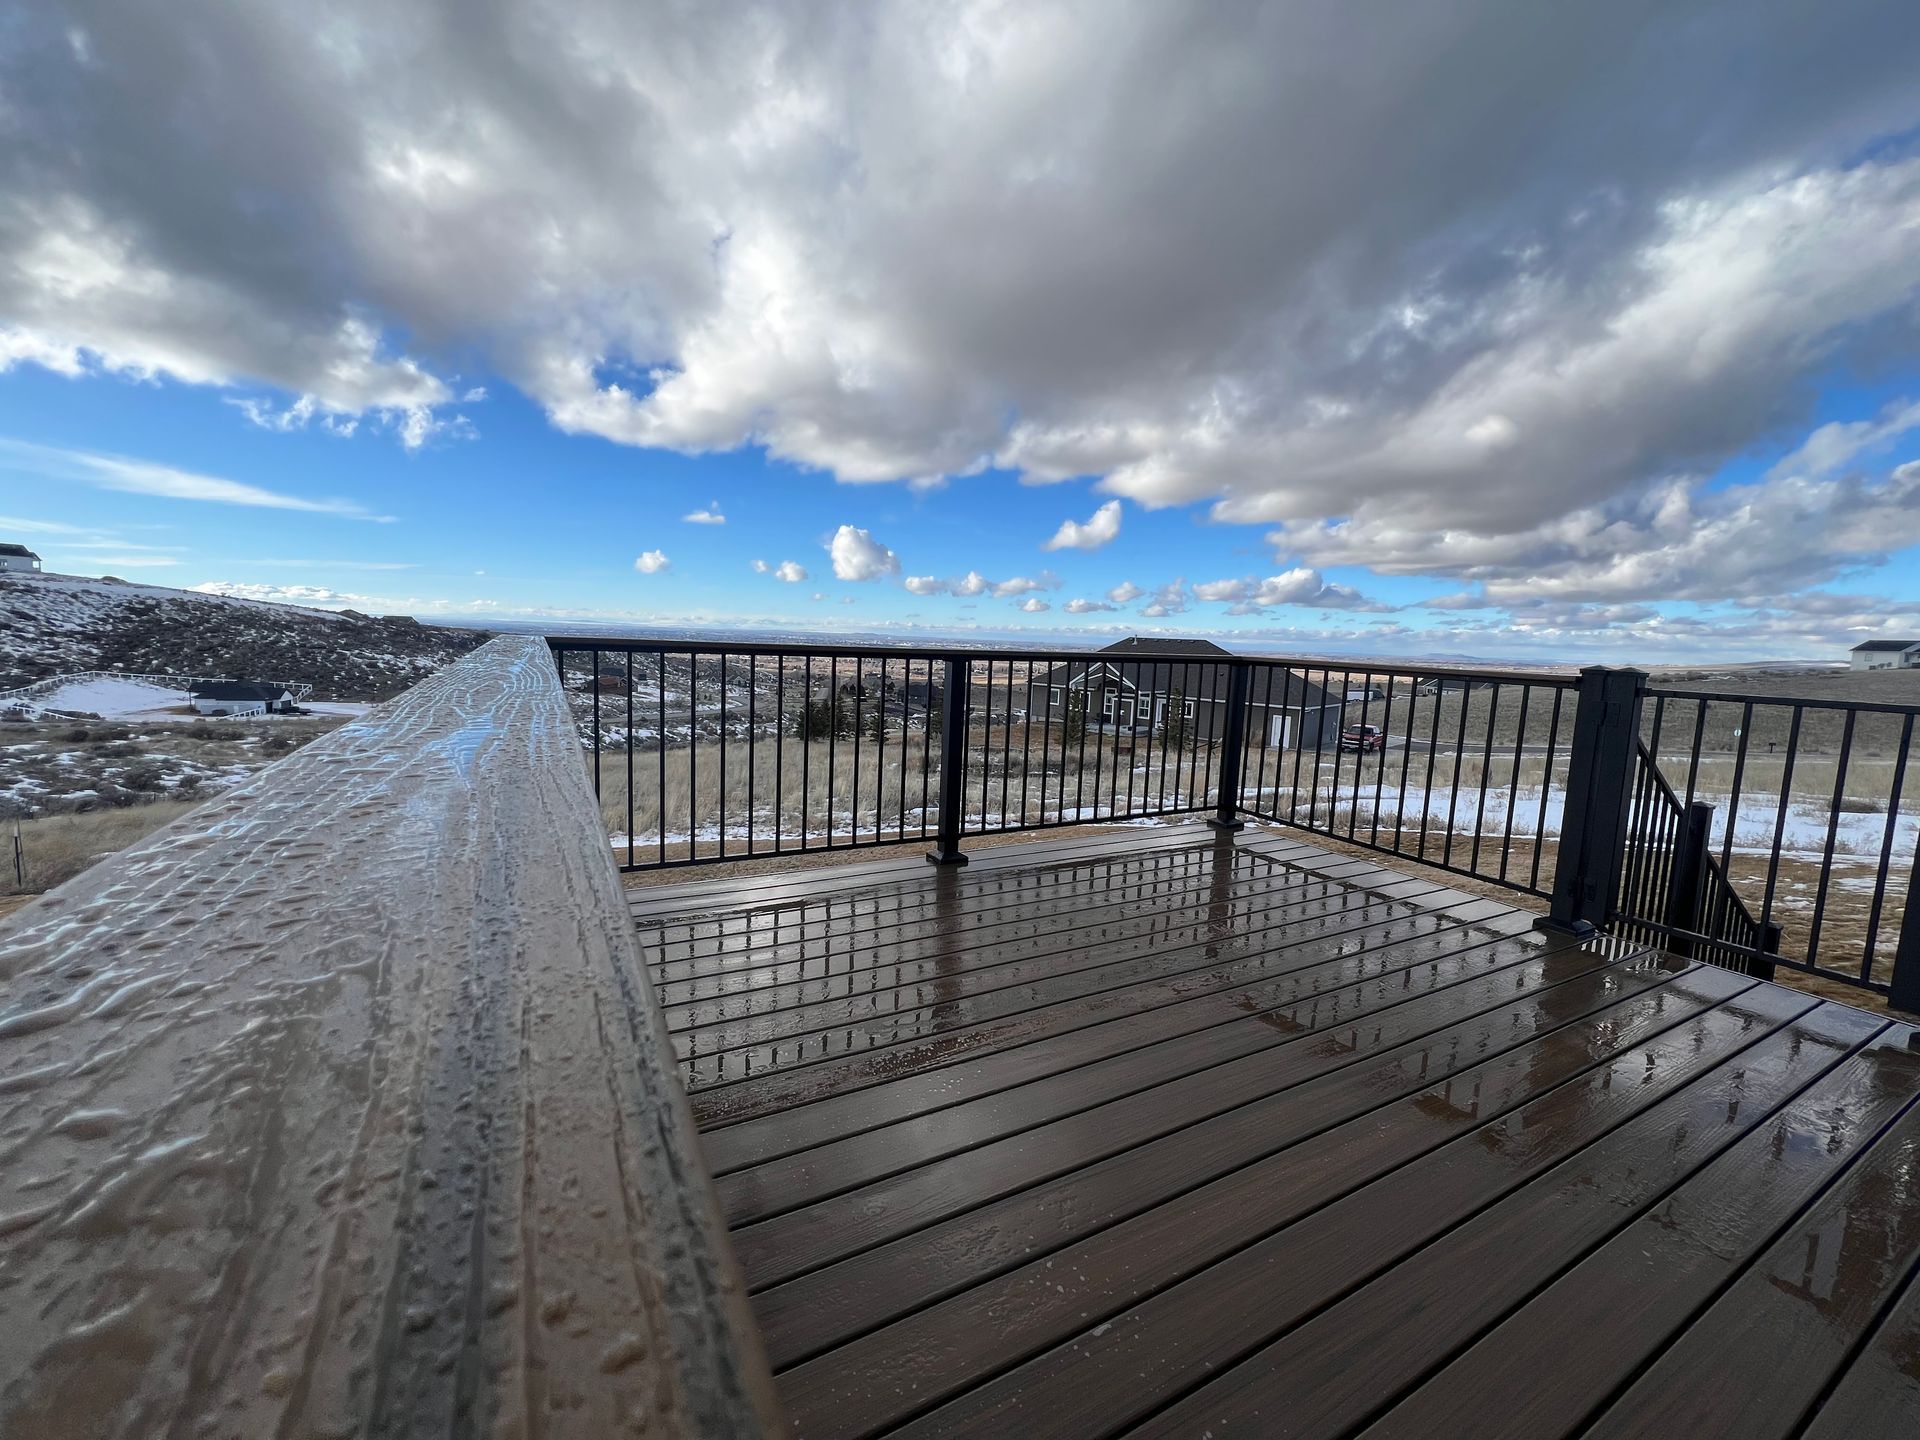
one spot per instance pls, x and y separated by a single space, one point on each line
1175 733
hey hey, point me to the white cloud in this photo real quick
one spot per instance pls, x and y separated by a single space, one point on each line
1034 605
142 477
910 242
1837 444
1167 599
1677 540
1298 586
651 562
1125 593
790 571
1025 584
709 516
1101 529
973 583
1087 607
858 556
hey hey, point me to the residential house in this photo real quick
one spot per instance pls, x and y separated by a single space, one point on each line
1128 687
18 557
1885 655
237 698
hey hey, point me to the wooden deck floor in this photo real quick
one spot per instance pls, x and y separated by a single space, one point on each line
1153 1135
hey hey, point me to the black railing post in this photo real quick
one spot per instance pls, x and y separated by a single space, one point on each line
1226 811
953 762
1904 994
1687 880
1606 737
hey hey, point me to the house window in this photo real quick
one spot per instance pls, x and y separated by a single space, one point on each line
1054 697
1143 708
1187 709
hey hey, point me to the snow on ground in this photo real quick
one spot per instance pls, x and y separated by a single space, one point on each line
112 697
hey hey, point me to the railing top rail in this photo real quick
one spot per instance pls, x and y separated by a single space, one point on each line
1734 697
370 1042
1356 667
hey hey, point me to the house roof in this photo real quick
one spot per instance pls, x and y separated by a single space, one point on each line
1154 645
237 690
18 551
1270 684
1884 645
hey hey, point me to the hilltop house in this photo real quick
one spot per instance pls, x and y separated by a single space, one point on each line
237 698
1127 687
18 557
1885 655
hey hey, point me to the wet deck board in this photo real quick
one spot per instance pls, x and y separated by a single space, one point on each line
1158 1134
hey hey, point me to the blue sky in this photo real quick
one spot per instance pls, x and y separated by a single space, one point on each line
470 335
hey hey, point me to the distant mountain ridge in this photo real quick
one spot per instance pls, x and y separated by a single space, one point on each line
61 624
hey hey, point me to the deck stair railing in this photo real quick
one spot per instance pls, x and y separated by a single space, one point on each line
1749 831
1672 878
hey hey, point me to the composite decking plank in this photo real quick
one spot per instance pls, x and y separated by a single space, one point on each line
1612 1313
875 917
786 939
855 1160
721 892
846 1114
827 1230
1343 1366
1879 1396
1015 939
1558 1031
775 1089
1124 1366
955 969
779 984
1121 983
1760 1357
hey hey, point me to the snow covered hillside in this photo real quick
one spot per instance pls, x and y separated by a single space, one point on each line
61 624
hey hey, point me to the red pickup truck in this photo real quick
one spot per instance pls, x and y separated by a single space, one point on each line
1363 738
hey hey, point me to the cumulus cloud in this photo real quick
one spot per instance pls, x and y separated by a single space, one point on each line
1168 599
1026 584
1298 586
1102 529
908 242
1676 540
1087 607
1125 593
709 516
651 562
791 572
1034 605
858 556
974 583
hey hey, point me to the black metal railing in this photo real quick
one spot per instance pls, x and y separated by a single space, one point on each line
1747 830
703 753
1805 831
1672 878
1464 770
